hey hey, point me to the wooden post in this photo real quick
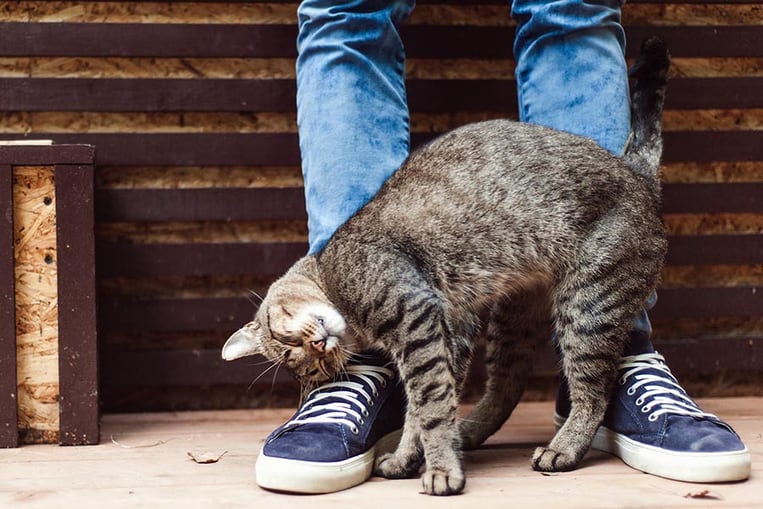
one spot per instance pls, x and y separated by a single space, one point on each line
8 405
46 193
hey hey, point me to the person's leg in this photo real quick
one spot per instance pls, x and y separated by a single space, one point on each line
571 75
571 70
352 111
353 129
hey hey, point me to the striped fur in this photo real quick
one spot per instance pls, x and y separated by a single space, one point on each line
489 233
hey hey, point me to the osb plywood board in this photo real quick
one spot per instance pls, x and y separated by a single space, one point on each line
36 303
285 13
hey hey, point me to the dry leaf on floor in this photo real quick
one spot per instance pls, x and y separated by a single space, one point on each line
707 494
206 456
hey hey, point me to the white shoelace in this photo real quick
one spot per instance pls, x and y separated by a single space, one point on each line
354 396
657 399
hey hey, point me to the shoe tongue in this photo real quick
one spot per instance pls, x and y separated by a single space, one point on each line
639 343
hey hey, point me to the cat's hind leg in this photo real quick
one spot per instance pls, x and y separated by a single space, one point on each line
517 324
594 305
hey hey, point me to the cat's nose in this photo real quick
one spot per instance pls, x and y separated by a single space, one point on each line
319 344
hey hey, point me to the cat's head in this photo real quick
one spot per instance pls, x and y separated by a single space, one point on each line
297 326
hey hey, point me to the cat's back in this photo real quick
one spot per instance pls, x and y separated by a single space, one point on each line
464 198
504 172
504 154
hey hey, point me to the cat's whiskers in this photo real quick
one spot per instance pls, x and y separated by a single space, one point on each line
275 376
252 293
322 367
264 361
273 364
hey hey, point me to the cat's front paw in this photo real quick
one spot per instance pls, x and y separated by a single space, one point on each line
397 466
546 459
437 481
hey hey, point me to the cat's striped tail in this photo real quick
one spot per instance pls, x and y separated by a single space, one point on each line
650 75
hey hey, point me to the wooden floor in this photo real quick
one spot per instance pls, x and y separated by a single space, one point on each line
143 461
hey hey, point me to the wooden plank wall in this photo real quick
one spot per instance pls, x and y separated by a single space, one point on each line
190 106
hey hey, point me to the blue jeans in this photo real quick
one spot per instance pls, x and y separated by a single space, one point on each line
352 111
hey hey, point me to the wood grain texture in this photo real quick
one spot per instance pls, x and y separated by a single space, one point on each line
36 289
154 448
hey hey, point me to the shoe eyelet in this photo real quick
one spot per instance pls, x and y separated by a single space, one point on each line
622 381
384 383
652 417
361 422
376 394
645 409
370 402
364 412
640 401
354 430
631 391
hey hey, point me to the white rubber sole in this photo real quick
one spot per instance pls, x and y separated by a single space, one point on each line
297 476
700 467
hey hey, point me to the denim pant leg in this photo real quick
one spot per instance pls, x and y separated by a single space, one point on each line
352 112
571 71
572 75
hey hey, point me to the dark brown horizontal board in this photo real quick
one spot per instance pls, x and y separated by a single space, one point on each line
701 198
251 204
217 204
715 250
674 303
282 149
46 155
166 260
700 41
278 95
706 93
147 40
266 40
177 368
187 149
701 356
706 146
163 260
125 315
146 95
206 367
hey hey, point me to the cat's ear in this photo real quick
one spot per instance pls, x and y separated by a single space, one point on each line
245 341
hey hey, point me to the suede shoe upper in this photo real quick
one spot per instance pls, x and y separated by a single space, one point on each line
344 418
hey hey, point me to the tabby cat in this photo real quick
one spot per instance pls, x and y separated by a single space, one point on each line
486 233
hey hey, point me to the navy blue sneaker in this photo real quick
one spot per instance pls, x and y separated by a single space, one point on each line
654 426
332 440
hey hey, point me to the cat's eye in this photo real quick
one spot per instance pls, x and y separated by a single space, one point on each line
287 339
